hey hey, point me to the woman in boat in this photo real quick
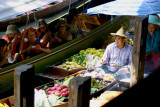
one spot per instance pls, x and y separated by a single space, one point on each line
152 42
32 47
3 53
13 38
75 23
62 36
45 36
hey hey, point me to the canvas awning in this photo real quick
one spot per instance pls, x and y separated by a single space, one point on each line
127 7
11 8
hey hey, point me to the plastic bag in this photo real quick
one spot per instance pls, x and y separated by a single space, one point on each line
41 99
89 58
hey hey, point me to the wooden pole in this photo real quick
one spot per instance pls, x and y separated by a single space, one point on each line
139 47
24 86
79 95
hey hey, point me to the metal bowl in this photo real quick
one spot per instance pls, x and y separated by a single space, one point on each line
124 79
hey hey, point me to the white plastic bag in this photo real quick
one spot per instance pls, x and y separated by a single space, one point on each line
41 99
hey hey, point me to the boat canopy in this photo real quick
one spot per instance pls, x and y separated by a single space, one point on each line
127 7
10 8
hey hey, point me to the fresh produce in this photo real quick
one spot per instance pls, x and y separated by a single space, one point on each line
3 105
70 66
41 99
96 85
58 90
81 57
67 80
95 74
108 77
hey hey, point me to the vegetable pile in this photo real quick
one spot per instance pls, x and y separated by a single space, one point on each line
81 57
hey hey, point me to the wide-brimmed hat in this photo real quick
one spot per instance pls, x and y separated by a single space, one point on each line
120 32
41 23
31 29
62 21
154 19
12 29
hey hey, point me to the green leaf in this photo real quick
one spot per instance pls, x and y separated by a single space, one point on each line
57 81
93 90
63 98
45 87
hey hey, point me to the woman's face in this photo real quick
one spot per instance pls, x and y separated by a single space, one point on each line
75 17
43 29
11 35
31 36
151 28
63 27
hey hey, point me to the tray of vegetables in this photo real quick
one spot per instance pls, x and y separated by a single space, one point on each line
59 89
61 70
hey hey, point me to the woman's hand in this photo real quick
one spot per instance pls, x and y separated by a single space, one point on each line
29 48
38 47
102 62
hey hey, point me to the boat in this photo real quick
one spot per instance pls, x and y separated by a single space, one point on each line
62 52
35 13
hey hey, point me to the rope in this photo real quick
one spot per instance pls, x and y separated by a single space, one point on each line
24 32
35 19
82 13
69 6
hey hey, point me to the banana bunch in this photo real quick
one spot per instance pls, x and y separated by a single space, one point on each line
3 105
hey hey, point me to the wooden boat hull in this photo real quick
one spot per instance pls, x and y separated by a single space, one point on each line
62 52
22 19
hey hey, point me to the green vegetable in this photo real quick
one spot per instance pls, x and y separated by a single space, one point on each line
57 81
93 90
66 82
45 87
62 99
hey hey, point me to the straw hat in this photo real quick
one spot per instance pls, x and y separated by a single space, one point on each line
154 19
31 29
120 32
41 23
12 29
62 21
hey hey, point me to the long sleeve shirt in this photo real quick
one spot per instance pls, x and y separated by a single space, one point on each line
115 56
153 42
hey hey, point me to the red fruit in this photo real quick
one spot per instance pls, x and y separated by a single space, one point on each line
53 88
64 90
67 92
48 92
47 89
63 86
59 88
53 92
64 94
56 85
57 93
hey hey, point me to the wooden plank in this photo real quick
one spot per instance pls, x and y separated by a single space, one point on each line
79 95
24 86
139 47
